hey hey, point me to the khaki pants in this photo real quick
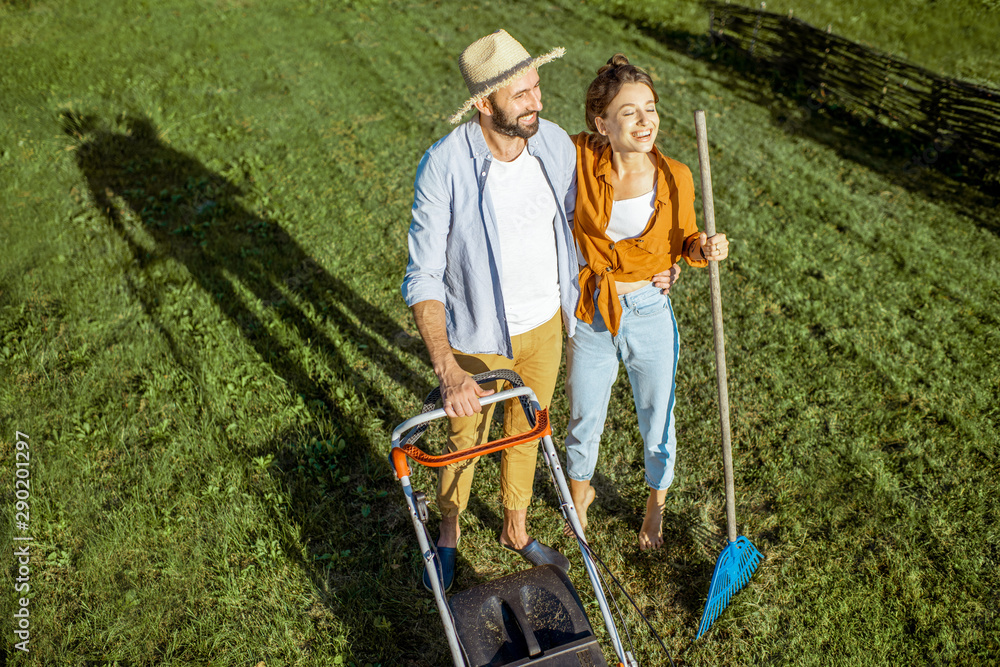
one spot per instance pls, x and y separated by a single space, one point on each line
537 354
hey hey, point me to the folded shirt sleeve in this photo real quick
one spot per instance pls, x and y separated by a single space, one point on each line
427 239
688 222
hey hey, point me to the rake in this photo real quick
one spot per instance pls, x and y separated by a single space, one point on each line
740 557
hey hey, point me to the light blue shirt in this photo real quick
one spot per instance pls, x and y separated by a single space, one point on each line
454 241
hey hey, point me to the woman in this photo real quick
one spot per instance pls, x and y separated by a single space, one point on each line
634 220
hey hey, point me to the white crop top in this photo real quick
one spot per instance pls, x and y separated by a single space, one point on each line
629 217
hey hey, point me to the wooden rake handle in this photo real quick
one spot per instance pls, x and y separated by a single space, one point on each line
708 206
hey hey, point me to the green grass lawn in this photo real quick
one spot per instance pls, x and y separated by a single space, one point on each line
204 213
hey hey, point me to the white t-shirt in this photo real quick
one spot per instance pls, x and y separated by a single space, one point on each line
629 217
525 209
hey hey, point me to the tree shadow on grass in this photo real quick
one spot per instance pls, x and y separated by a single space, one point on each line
168 207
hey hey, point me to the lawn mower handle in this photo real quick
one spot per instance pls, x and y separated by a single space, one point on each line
438 413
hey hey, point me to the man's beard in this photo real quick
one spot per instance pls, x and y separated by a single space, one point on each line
510 127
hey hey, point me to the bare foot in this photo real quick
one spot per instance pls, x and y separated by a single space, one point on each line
651 534
583 495
515 532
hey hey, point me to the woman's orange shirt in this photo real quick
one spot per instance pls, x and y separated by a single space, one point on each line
666 239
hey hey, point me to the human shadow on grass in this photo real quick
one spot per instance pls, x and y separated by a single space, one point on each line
169 207
935 170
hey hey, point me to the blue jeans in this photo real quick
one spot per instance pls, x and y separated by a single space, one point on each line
647 344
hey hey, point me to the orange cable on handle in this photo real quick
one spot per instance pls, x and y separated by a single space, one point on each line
399 462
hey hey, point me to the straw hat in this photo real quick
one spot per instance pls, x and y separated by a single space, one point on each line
495 61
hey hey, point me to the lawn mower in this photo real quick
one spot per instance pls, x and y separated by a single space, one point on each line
530 618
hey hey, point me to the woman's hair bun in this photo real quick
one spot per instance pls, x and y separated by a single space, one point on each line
617 60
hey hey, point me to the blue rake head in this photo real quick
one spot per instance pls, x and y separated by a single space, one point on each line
736 564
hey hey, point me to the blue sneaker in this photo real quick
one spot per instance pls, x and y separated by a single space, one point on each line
446 566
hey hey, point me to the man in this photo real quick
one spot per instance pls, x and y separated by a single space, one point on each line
493 272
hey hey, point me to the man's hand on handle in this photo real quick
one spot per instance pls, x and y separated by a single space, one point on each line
460 393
